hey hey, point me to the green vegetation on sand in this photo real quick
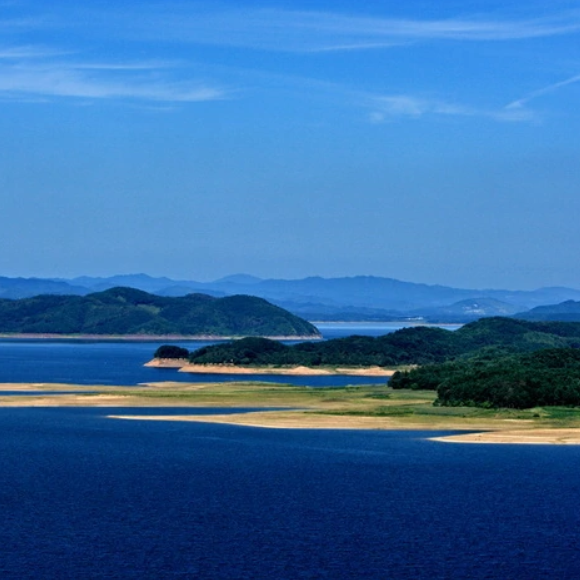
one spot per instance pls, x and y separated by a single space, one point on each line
493 362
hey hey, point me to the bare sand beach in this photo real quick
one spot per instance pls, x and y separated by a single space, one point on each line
185 367
290 407
522 436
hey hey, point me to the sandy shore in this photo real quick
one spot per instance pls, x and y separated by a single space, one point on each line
167 363
282 420
297 408
306 420
527 436
184 367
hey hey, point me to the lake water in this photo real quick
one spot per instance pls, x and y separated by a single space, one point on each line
121 363
84 496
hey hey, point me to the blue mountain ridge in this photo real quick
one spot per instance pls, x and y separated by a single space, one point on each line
318 298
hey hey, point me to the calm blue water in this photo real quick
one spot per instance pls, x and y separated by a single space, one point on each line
121 363
82 496
118 363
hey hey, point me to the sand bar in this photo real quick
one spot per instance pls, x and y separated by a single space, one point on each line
527 436
184 367
375 407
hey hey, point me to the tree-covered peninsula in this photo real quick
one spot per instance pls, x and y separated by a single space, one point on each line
409 346
547 377
493 362
126 311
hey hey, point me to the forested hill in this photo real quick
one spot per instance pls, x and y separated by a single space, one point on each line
126 311
419 345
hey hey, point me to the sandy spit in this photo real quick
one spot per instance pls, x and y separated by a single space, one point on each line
299 370
519 436
513 431
167 363
282 420
308 420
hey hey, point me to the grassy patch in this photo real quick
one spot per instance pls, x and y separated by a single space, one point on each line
404 407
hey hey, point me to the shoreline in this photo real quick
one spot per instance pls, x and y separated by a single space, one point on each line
143 337
288 407
184 367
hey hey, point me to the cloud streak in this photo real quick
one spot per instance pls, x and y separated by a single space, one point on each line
29 70
520 103
395 107
88 82
312 31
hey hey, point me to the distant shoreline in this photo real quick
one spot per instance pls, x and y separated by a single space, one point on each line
405 323
184 367
142 337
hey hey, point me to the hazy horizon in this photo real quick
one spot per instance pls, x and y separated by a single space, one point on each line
72 279
432 143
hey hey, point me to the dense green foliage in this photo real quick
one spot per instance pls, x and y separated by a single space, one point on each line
122 311
419 345
520 381
422 344
171 351
493 362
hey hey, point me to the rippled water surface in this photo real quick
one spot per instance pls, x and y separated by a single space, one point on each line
83 496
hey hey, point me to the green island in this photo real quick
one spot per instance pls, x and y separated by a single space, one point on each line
125 312
419 345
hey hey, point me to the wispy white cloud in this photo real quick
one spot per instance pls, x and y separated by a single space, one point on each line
521 103
58 80
16 53
395 107
28 70
291 30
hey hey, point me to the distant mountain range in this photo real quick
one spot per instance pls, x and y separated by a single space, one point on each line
568 311
315 298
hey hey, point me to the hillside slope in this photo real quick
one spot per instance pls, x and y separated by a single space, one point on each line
408 346
568 311
126 311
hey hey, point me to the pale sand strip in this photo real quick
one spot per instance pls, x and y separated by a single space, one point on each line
299 370
306 420
223 369
167 363
503 431
284 420
521 436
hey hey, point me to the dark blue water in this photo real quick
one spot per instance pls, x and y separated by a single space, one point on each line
82 496
121 363
118 363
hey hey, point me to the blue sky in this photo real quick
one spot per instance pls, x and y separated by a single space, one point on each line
433 142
